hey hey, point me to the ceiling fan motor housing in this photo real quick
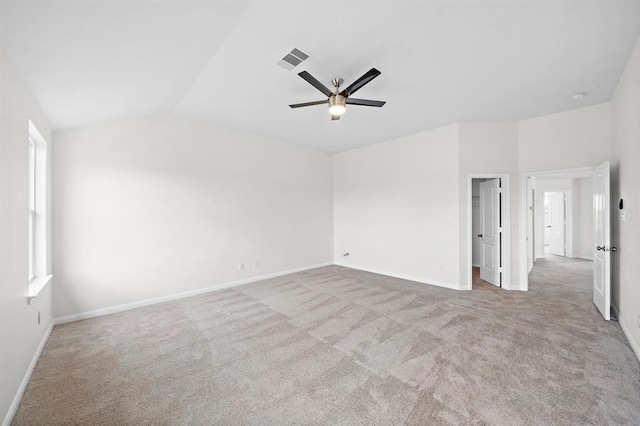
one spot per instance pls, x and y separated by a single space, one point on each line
337 104
337 100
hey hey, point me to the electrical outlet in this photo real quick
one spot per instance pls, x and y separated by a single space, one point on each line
255 263
240 266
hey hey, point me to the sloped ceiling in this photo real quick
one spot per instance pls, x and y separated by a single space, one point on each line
446 61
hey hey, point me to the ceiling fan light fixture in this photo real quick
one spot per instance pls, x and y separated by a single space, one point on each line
337 104
338 100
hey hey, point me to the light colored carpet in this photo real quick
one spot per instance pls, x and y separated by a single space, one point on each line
340 346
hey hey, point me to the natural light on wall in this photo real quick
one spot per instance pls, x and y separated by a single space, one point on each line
37 212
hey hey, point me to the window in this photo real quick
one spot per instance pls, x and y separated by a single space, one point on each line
32 207
37 213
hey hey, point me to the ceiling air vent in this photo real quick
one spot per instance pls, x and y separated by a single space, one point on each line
293 59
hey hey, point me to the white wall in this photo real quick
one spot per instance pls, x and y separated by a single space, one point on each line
163 205
396 207
20 333
392 201
570 139
625 184
488 148
583 228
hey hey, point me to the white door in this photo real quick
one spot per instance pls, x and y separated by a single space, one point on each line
490 231
476 228
557 223
602 249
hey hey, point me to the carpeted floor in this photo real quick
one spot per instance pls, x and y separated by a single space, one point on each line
340 346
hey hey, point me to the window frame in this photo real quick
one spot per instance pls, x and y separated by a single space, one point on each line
37 276
32 207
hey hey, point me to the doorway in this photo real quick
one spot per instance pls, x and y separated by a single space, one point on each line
568 198
489 231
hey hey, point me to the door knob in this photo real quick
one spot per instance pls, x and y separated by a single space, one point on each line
614 249
479 235
600 248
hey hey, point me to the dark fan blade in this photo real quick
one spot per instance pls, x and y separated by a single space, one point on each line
367 77
304 104
365 102
315 83
335 117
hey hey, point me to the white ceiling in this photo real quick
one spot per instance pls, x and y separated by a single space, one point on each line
444 61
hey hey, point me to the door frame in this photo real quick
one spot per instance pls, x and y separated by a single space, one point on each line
505 255
524 181
530 237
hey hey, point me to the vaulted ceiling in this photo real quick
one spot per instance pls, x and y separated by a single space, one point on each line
442 61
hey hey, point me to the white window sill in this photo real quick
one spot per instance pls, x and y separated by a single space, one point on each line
36 285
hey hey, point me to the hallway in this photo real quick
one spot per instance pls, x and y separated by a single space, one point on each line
563 276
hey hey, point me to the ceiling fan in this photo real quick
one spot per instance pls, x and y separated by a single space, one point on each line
337 99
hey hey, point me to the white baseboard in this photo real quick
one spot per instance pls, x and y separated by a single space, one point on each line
401 276
627 333
25 381
175 296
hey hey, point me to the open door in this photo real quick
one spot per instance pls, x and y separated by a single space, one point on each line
557 223
490 231
602 250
